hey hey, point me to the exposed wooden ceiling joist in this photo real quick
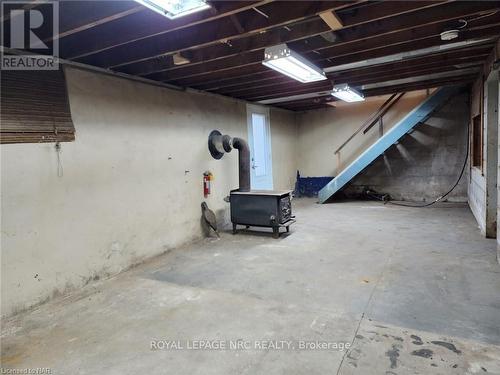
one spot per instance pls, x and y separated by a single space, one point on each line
359 79
295 90
332 20
304 29
269 78
84 15
207 33
375 32
374 43
297 32
321 102
227 76
143 25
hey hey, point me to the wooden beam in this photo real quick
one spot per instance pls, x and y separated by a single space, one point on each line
345 48
286 88
427 62
283 91
358 56
245 79
332 20
411 74
78 16
322 101
421 37
250 43
268 77
414 64
295 89
145 24
422 85
315 26
451 11
226 71
208 33
236 23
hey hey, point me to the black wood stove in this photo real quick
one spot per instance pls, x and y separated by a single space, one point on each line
256 208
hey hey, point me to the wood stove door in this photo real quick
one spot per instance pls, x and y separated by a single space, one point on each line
259 137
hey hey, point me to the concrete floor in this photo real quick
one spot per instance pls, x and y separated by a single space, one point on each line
415 291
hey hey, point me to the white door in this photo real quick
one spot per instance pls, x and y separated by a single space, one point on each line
259 139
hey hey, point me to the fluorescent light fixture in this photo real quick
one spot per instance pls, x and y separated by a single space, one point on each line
347 94
288 62
175 8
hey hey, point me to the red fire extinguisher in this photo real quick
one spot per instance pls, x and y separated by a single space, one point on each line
207 177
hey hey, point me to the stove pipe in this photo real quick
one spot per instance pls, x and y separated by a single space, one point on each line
218 144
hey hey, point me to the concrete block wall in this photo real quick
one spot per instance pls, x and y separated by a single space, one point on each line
131 187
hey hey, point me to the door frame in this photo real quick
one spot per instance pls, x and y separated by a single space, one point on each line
262 110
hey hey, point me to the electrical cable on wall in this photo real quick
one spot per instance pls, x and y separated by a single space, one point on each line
445 194
60 170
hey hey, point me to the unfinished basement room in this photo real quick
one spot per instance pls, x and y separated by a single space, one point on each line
254 187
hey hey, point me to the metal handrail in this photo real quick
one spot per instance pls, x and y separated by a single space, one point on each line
384 108
382 114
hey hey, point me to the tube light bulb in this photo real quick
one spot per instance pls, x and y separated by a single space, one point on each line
288 62
175 8
347 94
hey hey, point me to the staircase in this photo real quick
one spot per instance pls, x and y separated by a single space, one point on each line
417 115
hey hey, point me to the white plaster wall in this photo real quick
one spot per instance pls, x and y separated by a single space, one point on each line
131 189
284 138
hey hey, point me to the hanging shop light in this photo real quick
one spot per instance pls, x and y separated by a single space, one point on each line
347 94
288 62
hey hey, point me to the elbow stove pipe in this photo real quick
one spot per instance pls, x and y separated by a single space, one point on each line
219 144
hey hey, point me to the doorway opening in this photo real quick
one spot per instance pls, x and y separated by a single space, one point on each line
259 139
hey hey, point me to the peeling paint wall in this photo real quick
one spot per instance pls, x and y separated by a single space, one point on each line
131 188
422 166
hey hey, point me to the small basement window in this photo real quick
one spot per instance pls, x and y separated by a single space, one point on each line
35 107
477 142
